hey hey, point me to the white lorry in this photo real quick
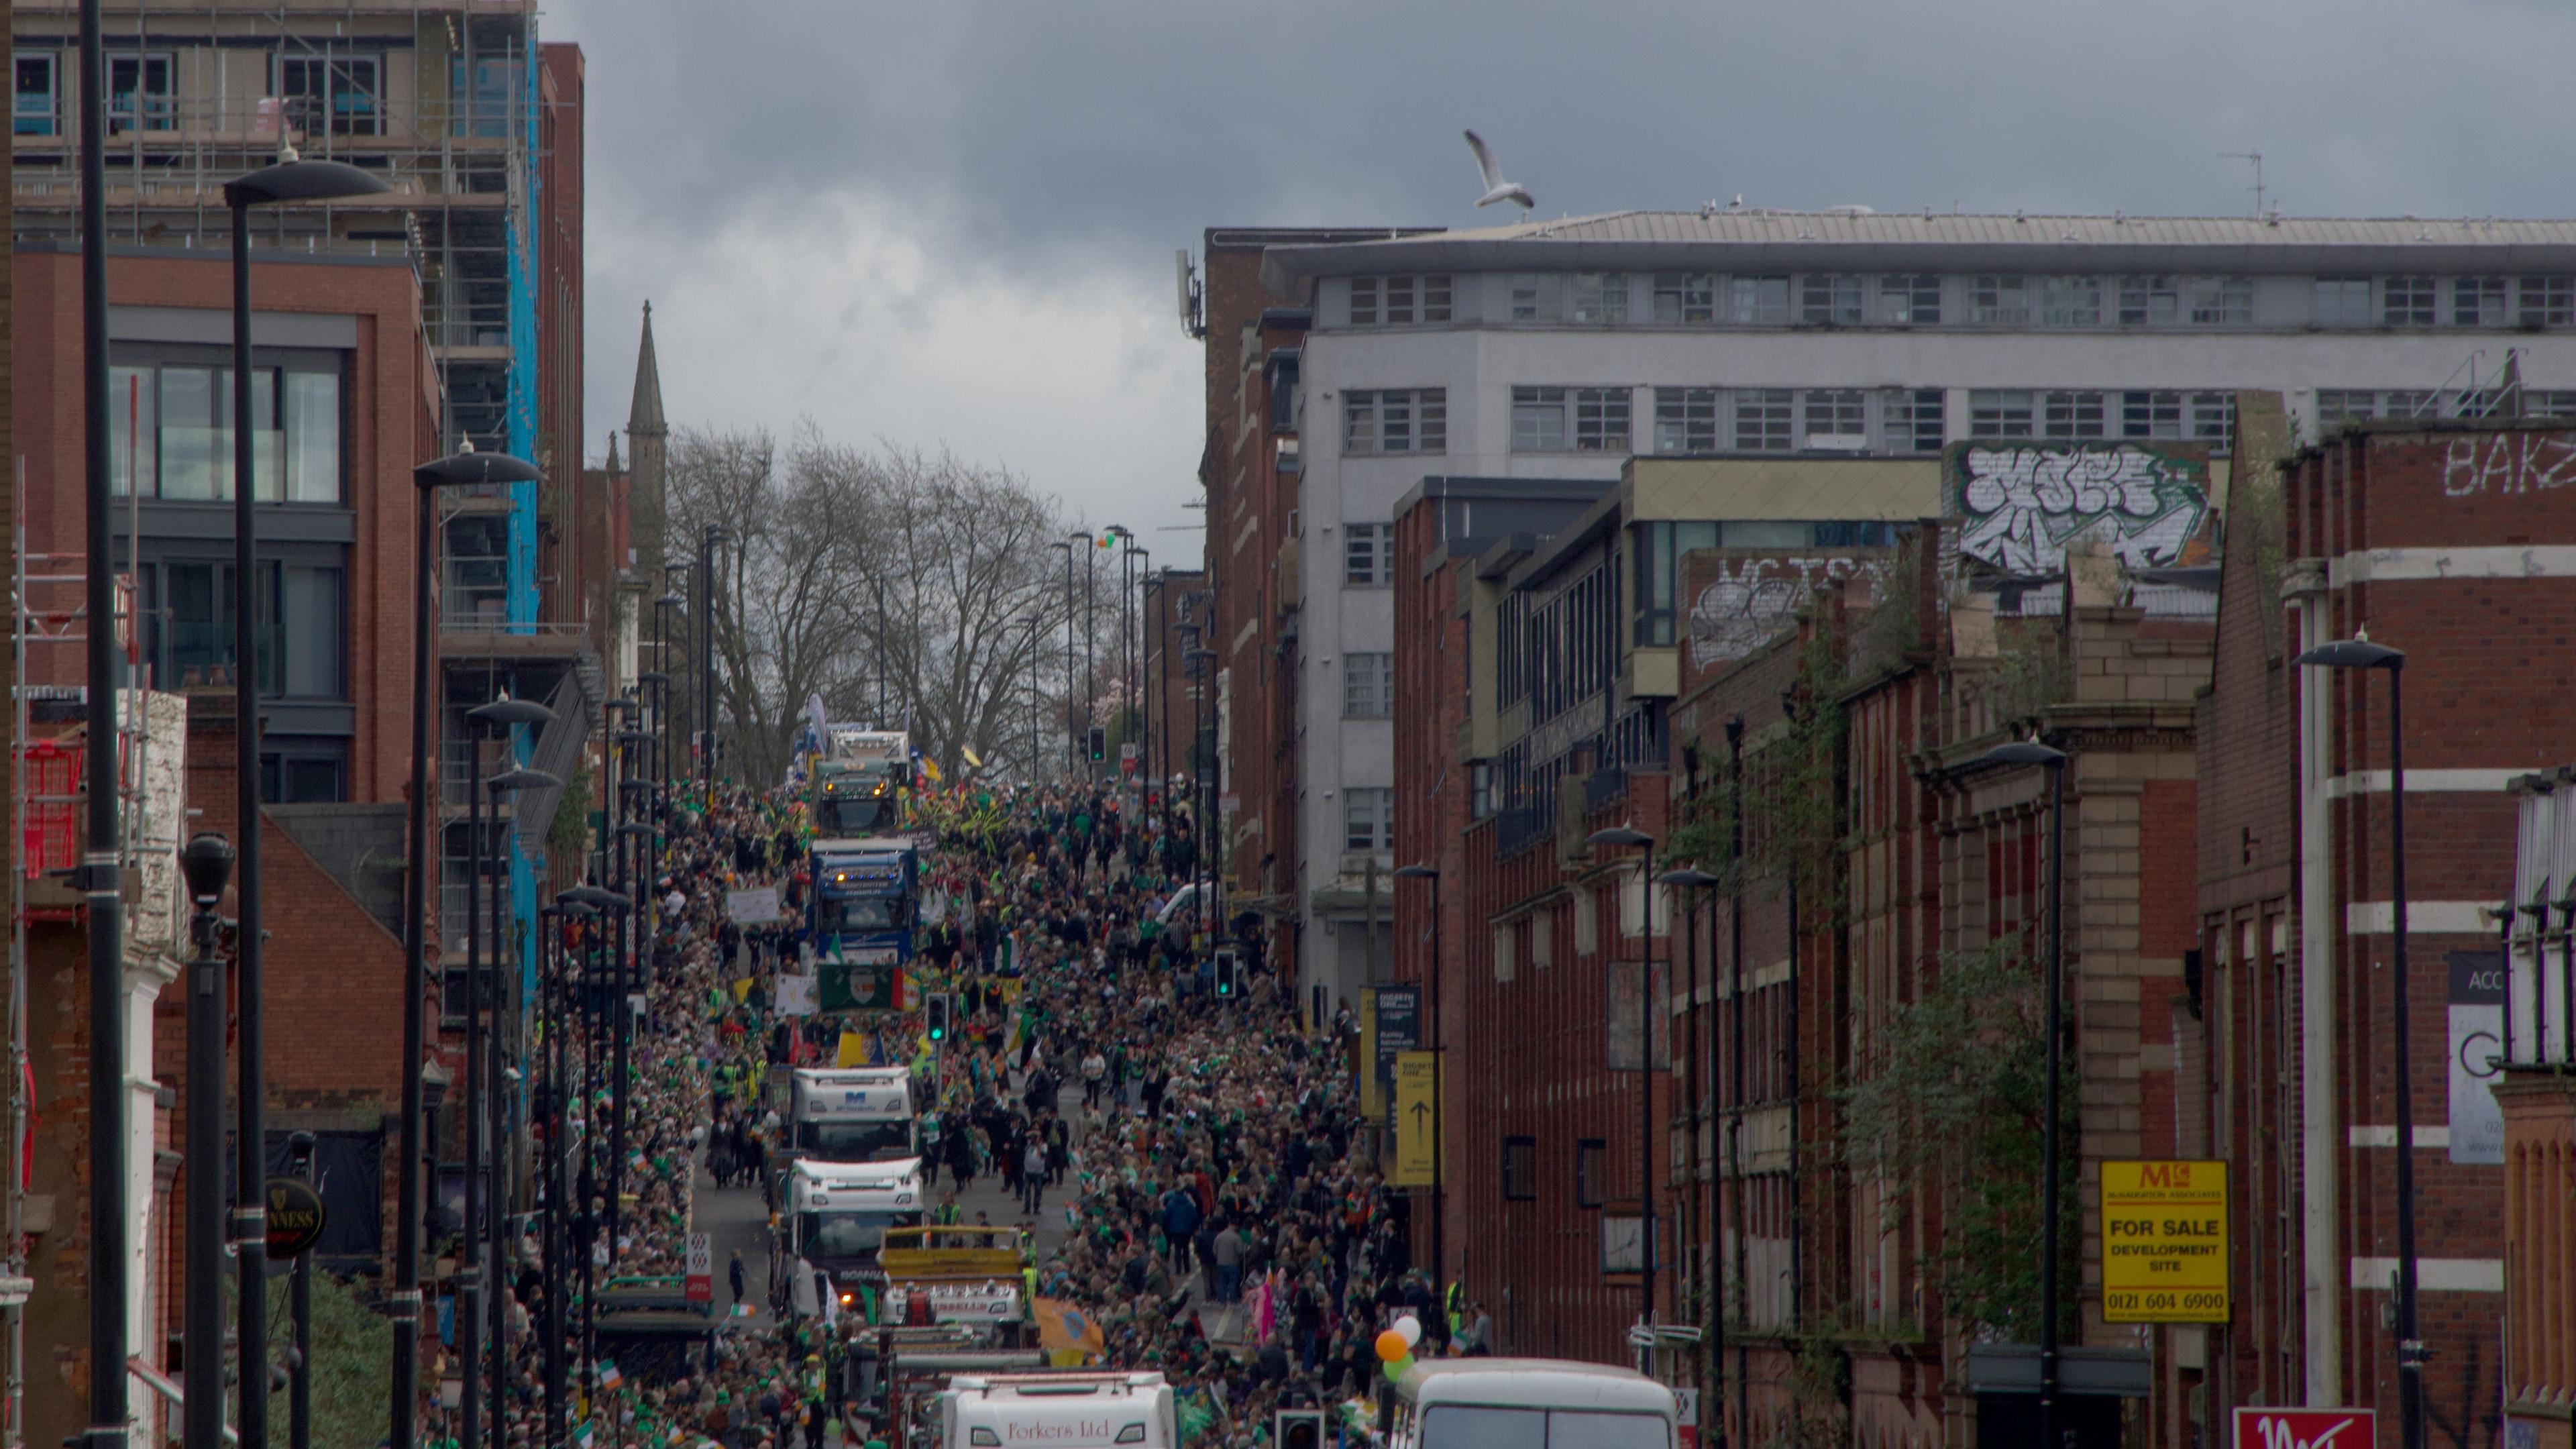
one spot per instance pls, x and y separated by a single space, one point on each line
1067 1410
852 1114
838 1214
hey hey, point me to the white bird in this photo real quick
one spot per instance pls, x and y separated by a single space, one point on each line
1496 188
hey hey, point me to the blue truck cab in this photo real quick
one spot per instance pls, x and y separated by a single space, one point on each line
866 899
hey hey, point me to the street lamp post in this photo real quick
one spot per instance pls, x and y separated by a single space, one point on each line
455 470
289 180
1072 751
299 1393
1090 633
1439 1092
1202 664
1628 836
708 537
207 864
1713 1314
2016 754
2360 653
498 716
1134 600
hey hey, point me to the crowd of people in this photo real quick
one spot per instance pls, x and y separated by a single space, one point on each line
1186 1157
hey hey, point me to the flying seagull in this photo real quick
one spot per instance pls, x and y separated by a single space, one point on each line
1496 188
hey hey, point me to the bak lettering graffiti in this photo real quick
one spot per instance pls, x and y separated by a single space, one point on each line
2023 506
1754 599
2508 463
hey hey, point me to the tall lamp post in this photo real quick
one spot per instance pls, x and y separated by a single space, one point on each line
708 537
1090 630
1133 601
1202 663
207 863
289 180
2360 653
1072 751
1622 835
455 470
2014 754
1439 1091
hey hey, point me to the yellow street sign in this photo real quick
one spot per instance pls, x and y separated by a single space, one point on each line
1417 1150
2164 1242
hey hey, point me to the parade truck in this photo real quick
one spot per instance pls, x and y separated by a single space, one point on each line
855 783
852 1114
863 907
838 1215
966 1276
1071 1410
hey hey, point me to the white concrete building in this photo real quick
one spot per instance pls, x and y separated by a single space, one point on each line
1556 349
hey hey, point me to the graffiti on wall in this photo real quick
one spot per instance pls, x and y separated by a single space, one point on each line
2508 463
1753 599
2022 506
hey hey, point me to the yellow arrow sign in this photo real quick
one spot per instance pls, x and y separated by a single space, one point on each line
1417 1149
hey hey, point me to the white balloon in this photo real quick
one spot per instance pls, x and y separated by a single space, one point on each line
1409 1328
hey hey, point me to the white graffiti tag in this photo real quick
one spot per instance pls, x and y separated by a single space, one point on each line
1754 599
2508 463
2023 506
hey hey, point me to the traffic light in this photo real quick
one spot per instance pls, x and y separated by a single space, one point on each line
1298 1429
1098 744
934 1009
1229 974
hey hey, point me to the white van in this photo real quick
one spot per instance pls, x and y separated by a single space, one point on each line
852 1114
1531 1403
1072 1410
838 1212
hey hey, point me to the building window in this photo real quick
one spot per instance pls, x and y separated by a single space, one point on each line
2222 301
1589 1165
1911 420
1399 301
170 432
1685 420
2070 302
2072 414
2477 302
1396 420
1999 414
2151 415
1685 297
1601 419
1909 299
2343 302
1365 549
1765 420
2213 419
1835 418
2000 301
343 95
1761 301
305 773
1480 792
1601 298
1831 299
302 626
38 108
2409 301
1368 817
1368 685
1520 1169
140 94
1538 420
2546 301
2149 302
1534 297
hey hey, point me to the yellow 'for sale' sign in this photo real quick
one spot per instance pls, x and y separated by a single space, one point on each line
2164 1242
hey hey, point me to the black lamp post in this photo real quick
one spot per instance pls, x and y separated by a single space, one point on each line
2016 754
1072 750
665 633
1713 1315
708 537
568 908
1090 641
611 903
500 716
289 180
1439 1091
1623 835
207 865
1202 664
455 470
299 1394
2359 653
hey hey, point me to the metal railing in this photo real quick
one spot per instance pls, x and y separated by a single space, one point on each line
1522 828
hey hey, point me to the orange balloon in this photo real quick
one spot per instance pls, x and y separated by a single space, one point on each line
1391 1346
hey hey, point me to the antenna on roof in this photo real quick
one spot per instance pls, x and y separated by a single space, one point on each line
2255 157
1193 297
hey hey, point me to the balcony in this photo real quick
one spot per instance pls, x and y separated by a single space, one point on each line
1522 829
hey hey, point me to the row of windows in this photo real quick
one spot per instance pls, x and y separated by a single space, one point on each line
171 432
2006 299
341 94
1520 1171
1550 419
2339 405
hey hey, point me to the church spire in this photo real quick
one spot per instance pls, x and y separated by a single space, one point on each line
613 468
645 416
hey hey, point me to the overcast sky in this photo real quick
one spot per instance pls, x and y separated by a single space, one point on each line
952 223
